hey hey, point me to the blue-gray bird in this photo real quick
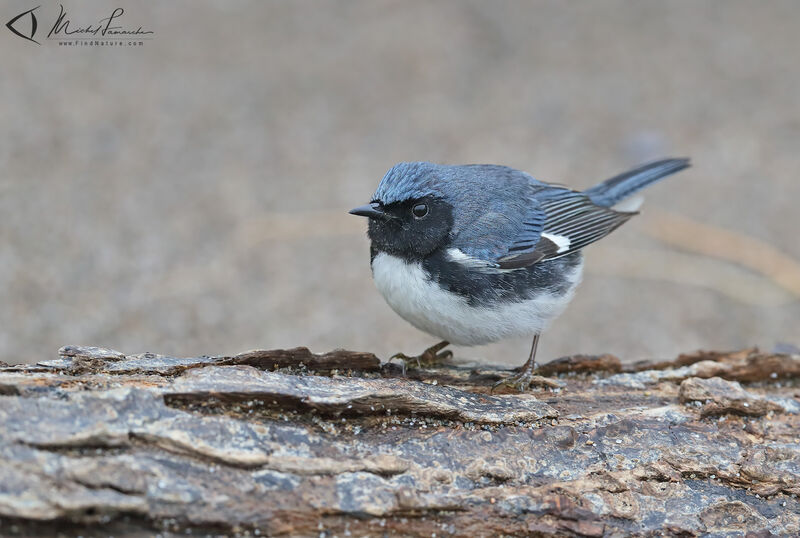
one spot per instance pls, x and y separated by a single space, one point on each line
476 253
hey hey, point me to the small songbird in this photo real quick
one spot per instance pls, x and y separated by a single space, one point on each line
476 253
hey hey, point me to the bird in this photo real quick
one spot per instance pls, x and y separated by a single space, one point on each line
476 253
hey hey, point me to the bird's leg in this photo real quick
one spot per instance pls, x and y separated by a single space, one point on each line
428 358
525 378
522 380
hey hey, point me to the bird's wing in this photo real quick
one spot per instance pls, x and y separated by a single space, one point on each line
560 222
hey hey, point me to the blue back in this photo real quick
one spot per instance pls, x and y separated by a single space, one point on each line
497 208
490 202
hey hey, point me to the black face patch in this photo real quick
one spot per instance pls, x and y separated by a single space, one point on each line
412 229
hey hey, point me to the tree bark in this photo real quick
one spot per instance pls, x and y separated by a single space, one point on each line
287 442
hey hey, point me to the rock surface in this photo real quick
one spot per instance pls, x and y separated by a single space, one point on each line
286 442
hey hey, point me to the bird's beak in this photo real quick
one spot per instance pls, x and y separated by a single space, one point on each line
373 211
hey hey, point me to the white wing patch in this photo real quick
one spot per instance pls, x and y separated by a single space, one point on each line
457 255
561 241
462 258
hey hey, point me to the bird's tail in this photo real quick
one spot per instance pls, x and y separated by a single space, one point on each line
612 190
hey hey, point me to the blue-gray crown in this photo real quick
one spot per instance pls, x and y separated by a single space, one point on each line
409 181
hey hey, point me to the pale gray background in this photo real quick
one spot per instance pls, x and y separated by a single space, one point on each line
190 196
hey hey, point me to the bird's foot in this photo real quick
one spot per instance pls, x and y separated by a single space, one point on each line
525 379
433 356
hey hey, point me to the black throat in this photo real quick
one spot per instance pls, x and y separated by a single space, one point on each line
407 236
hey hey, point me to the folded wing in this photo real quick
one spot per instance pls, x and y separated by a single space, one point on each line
561 222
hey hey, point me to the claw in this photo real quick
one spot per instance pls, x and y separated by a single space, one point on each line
404 358
522 381
525 377
433 356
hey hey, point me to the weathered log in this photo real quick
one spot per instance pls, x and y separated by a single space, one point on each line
286 442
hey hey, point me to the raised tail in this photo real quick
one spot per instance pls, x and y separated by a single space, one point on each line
612 190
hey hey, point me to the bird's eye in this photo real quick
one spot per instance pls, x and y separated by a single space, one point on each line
420 211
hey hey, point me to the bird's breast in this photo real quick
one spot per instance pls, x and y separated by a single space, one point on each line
424 298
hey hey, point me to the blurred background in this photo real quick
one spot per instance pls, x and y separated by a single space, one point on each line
190 196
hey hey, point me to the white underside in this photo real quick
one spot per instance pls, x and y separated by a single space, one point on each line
410 293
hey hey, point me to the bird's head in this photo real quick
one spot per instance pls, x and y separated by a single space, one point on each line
410 214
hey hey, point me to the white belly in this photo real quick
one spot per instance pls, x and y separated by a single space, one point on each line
449 316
